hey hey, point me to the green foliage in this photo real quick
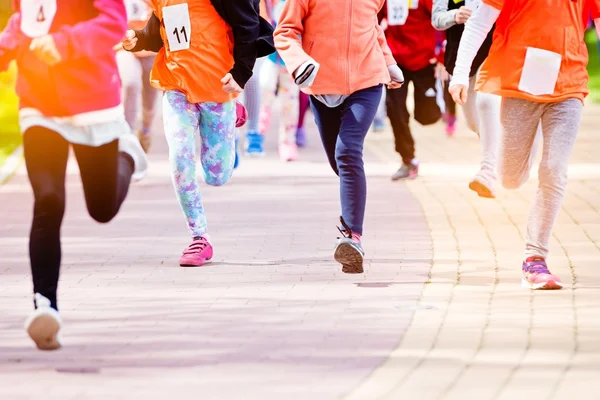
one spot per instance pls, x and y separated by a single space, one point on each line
10 137
593 65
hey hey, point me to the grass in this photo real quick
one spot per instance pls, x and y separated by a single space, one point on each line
593 65
10 136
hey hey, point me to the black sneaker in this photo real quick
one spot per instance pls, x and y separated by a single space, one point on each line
406 171
348 252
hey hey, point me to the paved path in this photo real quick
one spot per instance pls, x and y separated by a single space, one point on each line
439 313
273 316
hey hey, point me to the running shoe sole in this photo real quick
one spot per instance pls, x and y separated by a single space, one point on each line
190 265
481 190
258 155
43 330
410 177
549 285
350 258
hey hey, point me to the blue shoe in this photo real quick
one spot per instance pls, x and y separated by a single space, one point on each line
301 137
254 144
236 163
348 251
378 125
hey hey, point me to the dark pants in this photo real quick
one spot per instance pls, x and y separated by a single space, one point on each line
304 104
343 130
427 111
105 175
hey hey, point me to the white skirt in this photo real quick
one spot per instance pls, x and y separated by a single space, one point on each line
90 129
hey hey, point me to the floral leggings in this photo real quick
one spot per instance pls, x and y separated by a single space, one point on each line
275 78
216 124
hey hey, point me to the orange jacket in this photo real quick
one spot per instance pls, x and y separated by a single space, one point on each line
524 24
343 36
196 71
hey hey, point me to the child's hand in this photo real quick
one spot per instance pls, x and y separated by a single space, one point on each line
130 40
441 73
230 85
44 48
459 94
462 15
397 77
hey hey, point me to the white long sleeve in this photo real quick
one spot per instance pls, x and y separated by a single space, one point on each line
442 18
476 30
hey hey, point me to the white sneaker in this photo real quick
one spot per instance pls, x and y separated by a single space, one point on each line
43 326
130 144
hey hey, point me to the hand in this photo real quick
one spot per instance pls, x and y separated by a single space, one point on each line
44 48
230 85
441 73
384 24
130 40
394 85
463 14
459 93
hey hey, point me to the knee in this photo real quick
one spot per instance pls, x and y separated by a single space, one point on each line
512 179
102 215
509 182
49 204
217 181
552 175
218 178
348 158
430 119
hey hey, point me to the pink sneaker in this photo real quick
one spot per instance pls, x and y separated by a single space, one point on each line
450 124
197 254
288 151
537 276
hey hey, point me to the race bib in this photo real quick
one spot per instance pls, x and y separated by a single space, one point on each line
37 17
177 26
137 10
473 4
540 71
397 12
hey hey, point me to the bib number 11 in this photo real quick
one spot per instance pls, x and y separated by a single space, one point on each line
177 26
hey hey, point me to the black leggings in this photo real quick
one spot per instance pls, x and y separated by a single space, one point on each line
105 174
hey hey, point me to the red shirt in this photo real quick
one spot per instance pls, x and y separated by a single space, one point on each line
414 43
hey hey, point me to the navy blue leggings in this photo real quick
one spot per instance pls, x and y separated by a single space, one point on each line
343 130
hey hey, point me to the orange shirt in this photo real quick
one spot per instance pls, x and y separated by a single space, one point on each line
205 54
343 36
538 51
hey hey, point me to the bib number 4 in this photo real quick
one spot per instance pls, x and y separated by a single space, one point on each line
37 17
177 26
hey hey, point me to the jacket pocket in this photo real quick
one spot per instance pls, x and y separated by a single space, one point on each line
325 51
369 59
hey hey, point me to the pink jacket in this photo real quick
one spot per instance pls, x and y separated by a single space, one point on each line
343 36
85 32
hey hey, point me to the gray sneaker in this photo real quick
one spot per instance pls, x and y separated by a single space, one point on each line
348 252
406 171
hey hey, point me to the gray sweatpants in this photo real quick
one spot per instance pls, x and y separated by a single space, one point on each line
137 91
560 124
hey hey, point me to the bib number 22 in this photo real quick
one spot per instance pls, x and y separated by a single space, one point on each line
178 27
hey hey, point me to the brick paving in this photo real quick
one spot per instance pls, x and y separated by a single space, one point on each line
439 313
272 316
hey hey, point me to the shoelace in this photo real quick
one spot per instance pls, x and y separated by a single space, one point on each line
345 230
197 246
